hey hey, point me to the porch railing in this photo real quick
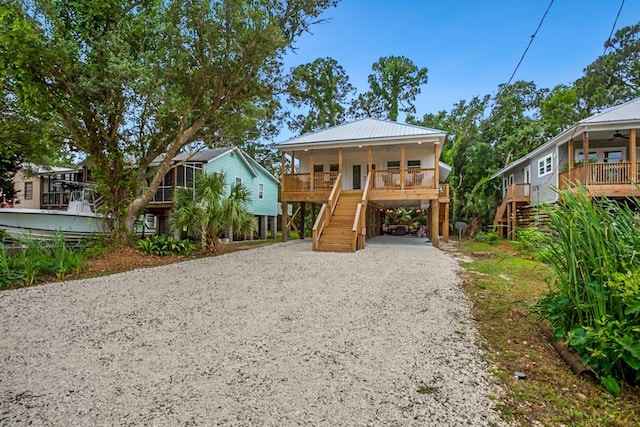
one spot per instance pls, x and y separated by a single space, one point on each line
396 179
597 174
322 181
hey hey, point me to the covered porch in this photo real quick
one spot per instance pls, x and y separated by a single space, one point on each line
610 169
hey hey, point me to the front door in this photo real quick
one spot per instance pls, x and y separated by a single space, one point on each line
527 175
356 175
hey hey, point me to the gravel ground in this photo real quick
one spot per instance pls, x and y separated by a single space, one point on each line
273 336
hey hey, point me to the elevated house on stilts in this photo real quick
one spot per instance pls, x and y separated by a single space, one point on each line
352 173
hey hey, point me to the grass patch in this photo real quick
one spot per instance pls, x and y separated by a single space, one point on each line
503 284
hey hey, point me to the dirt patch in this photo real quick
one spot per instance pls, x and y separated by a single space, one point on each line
125 259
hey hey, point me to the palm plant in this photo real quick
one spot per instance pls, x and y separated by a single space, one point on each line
207 211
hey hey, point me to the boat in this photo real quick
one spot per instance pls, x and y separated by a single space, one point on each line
80 220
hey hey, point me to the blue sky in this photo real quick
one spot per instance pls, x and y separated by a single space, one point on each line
469 47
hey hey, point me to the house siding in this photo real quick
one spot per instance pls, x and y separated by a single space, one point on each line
232 165
542 187
19 180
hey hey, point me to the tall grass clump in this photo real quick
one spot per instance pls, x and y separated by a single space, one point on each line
36 260
594 303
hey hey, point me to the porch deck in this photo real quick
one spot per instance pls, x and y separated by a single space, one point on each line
387 184
603 179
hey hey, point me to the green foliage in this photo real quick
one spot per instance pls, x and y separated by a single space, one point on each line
595 301
395 83
614 76
130 80
209 211
531 239
490 237
162 245
321 87
36 259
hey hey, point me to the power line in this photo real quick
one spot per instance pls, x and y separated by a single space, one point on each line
529 45
606 44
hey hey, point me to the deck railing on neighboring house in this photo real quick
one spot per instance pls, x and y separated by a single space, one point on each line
597 174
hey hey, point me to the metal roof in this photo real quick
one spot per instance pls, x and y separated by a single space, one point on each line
362 130
204 155
614 116
628 111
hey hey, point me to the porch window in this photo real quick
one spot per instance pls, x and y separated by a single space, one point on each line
318 168
593 156
260 191
394 164
545 165
28 190
413 164
334 167
613 156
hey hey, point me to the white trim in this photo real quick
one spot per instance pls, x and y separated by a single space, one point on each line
526 173
547 165
260 193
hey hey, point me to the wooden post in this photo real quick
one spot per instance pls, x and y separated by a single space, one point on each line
340 160
282 172
571 157
313 214
435 220
514 226
285 220
402 166
508 220
293 162
370 160
633 173
445 225
303 205
311 170
585 157
436 164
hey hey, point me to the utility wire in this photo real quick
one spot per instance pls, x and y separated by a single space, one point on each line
529 45
606 44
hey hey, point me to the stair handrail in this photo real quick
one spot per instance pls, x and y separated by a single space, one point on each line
326 212
318 227
356 226
358 229
335 193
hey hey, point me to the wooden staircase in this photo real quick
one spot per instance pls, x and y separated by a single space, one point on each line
338 235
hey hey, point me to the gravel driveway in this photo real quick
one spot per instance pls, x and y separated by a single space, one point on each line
273 336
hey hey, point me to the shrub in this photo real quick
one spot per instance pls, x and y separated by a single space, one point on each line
163 246
595 301
491 237
530 239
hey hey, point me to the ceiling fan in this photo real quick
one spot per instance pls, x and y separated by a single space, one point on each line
617 134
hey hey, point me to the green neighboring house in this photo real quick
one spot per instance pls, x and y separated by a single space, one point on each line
238 167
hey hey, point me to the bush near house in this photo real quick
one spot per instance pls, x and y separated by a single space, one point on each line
594 303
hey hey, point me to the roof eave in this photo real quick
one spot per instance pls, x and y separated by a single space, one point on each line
432 138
